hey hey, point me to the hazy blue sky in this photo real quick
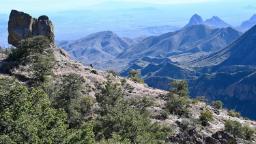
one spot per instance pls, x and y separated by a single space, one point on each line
77 18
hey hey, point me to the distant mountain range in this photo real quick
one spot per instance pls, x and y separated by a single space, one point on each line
196 38
214 22
231 75
241 52
103 49
246 25
97 48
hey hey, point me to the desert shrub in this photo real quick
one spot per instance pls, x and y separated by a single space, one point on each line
234 127
248 132
83 135
118 117
116 139
35 51
179 87
162 115
70 97
177 99
140 103
134 76
233 113
26 115
114 73
238 130
178 105
205 117
217 104
187 124
27 48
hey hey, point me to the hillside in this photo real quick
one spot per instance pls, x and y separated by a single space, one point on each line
47 97
96 48
230 76
248 24
159 72
241 52
197 38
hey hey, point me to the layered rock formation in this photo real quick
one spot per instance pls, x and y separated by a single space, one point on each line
22 26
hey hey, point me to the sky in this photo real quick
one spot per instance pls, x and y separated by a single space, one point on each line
78 18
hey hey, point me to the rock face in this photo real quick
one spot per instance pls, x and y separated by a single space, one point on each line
22 26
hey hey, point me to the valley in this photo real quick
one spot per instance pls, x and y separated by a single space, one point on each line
205 53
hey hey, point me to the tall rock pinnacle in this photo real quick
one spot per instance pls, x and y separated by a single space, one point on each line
22 26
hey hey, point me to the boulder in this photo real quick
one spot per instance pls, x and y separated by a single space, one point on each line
22 26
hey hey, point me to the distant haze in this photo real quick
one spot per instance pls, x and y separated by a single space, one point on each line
130 18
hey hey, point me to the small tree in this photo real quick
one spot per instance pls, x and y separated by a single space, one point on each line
118 118
180 87
134 76
177 99
234 127
217 104
26 115
238 130
205 117
233 113
71 99
178 105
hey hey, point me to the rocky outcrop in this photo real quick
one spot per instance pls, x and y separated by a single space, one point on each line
22 26
192 136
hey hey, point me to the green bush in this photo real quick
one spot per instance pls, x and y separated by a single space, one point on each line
35 51
177 99
178 105
27 48
141 103
248 132
70 98
205 117
233 113
238 130
118 117
179 87
217 104
134 76
27 116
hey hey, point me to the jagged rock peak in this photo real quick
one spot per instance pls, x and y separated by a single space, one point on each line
195 20
21 26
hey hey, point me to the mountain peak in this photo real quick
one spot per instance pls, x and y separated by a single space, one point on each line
240 52
215 18
246 25
195 20
216 22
